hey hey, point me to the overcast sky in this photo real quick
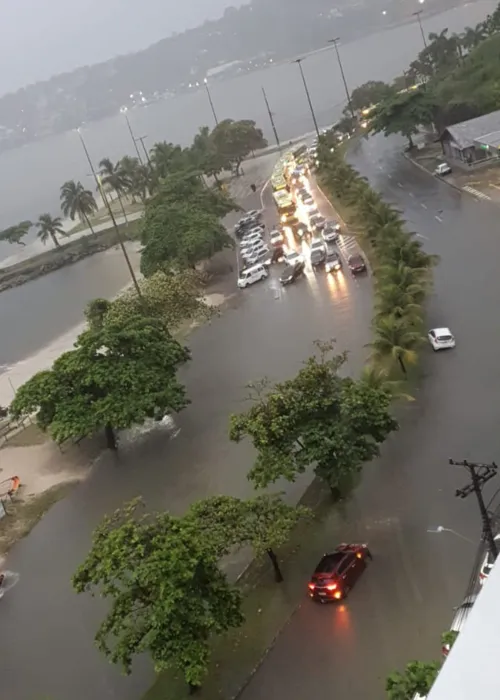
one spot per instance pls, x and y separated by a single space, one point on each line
43 37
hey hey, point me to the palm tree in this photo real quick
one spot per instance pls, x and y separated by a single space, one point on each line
49 227
114 178
402 275
377 377
396 340
77 201
401 302
15 233
167 158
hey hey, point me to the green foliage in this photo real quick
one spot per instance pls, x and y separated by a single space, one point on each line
50 227
263 522
315 419
418 677
171 298
168 596
15 234
77 201
403 113
235 140
370 93
449 638
120 373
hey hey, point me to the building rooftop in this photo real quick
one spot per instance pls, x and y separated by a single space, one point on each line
465 133
491 140
471 669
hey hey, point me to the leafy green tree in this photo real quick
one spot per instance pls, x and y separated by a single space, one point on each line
168 596
396 339
315 419
235 140
449 638
15 234
370 93
115 178
167 158
50 227
403 113
119 374
171 298
186 188
77 201
418 677
180 236
264 522
379 378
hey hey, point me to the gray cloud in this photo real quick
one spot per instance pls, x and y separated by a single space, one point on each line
43 37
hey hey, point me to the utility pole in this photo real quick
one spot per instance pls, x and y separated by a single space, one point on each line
211 103
335 42
419 20
298 61
110 212
141 139
479 474
124 111
271 118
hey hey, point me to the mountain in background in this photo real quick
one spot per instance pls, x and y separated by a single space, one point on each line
247 37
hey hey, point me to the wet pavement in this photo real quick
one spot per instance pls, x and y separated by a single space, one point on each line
405 600
46 645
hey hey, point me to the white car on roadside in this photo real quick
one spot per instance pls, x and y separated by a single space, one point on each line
442 169
441 339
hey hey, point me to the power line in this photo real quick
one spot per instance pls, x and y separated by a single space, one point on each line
480 474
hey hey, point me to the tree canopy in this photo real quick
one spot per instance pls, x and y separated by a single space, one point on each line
417 678
168 596
15 234
369 94
235 140
318 419
118 374
403 113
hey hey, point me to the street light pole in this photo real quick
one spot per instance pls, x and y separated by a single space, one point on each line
110 212
134 140
271 117
141 139
211 103
419 20
335 43
298 61
479 475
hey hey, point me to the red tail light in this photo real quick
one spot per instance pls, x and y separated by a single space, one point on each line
311 586
445 650
331 587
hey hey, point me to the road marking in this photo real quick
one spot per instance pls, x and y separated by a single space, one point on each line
263 188
411 194
438 218
419 235
476 193
424 206
389 176
400 184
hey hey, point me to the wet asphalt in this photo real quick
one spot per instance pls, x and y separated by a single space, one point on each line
46 645
405 599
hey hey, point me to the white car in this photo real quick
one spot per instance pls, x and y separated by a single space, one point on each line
442 169
488 563
251 275
292 257
250 240
258 255
254 213
308 201
441 338
276 238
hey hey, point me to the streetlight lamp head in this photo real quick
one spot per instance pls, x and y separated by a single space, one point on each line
205 81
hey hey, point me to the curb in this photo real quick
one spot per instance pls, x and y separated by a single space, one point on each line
441 179
264 655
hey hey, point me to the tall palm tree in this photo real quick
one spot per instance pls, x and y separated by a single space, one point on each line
377 377
77 201
49 227
401 302
115 179
402 275
397 340
167 158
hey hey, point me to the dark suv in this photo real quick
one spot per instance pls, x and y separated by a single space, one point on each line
337 572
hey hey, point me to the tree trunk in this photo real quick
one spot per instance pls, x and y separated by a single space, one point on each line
89 225
123 208
193 688
278 576
402 365
410 142
336 493
54 240
110 438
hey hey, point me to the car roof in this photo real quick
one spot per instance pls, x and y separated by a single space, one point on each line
252 267
329 563
442 331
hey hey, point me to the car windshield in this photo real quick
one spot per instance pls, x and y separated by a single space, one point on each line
444 338
356 260
329 563
332 257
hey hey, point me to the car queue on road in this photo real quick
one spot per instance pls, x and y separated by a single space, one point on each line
306 240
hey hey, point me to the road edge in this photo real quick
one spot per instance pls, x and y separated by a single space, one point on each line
441 179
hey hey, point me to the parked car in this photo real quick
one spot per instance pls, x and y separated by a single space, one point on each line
333 262
356 264
442 169
331 231
292 272
257 255
276 238
254 213
292 256
441 339
488 563
459 620
337 572
250 275
317 222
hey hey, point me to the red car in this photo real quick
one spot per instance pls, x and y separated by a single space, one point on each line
337 572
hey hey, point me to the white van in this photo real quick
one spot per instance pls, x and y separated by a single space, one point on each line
251 275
